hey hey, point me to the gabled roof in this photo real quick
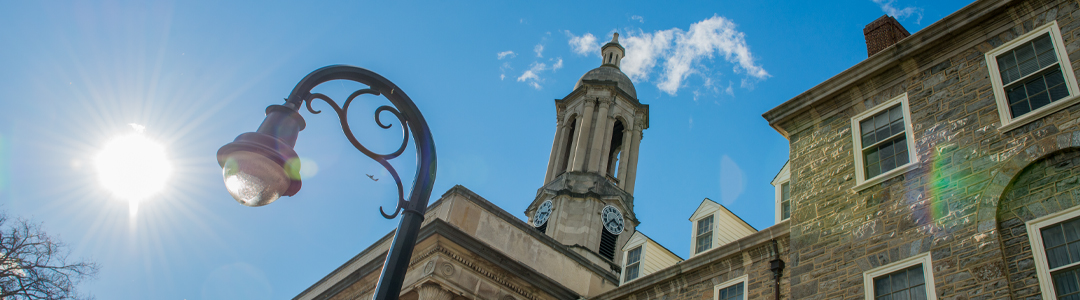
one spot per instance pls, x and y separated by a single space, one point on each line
708 206
640 238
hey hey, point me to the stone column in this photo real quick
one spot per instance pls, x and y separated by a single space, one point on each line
560 131
631 167
581 147
432 291
602 122
606 149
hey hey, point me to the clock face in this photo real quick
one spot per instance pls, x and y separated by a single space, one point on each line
612 219
542 214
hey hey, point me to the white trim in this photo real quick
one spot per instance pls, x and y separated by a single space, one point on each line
641 257
861 182
1039 252
922 258
726 284
694 235
1064 64
778 182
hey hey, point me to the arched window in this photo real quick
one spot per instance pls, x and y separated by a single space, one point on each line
616 149
609 58
569 146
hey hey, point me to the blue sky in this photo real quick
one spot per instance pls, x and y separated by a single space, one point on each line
198 73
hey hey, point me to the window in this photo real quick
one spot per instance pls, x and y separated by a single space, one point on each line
884 141
704 234
633 264
909 278
785 200
1028 78
782 184
731 290
1055 245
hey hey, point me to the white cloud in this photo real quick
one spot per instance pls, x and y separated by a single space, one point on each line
642 52
532 75
584 45
502 76
638 18
899 13
683 53
539 49
732 181
506 53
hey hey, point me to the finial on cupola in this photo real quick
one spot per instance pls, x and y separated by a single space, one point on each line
613 52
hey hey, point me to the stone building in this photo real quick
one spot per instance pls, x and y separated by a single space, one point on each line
944 166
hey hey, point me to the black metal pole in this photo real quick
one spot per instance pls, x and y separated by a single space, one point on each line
397 259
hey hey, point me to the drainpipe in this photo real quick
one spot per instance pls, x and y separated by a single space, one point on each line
777 267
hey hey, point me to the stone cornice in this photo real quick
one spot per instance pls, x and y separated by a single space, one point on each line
923 40
531 231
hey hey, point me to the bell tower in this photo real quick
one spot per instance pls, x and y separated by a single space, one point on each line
587 201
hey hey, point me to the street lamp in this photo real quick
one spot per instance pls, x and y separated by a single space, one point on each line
261 166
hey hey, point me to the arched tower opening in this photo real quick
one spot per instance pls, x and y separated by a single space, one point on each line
568 147
612 165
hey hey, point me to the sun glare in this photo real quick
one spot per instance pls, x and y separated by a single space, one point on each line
133 167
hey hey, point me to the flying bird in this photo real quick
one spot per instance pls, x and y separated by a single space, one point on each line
372 177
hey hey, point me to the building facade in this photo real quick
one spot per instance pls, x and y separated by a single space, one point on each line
944 166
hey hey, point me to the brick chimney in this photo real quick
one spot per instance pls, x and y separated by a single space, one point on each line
882 33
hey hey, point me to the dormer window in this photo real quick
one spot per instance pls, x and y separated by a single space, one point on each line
782 184
633 264
704 234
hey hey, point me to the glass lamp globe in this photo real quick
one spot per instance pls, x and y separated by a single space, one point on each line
253 179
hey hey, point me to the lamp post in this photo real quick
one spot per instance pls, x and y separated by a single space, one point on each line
261 166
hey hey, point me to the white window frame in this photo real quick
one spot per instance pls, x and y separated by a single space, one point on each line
1034 228
641 258
922 258
712 234
783 178
1008 122
726 284
861 182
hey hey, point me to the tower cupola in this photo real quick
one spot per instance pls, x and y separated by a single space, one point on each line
613 52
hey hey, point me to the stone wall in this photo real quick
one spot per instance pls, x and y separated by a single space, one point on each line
1044 187
695 278
948 205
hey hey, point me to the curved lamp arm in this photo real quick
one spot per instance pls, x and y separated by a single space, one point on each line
253 164
408 116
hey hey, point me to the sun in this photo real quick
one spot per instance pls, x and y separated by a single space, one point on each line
133 167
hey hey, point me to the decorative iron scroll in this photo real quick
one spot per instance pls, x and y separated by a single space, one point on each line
403 109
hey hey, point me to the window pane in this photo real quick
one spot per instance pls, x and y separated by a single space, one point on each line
1016 94
882 286
915 276
918 293
1036 85
886 149
901 295
1057 257
1053 236
896 114
1005 62
872 156
873 170
1065 283
868 140
785 210
897 126
881 120
1039 100
1019 109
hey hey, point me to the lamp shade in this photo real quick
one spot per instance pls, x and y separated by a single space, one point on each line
260 167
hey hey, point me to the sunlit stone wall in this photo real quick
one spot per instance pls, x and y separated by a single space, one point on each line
948 205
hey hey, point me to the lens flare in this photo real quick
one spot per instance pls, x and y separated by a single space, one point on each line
133 167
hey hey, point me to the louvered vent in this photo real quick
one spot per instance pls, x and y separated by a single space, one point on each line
607 244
